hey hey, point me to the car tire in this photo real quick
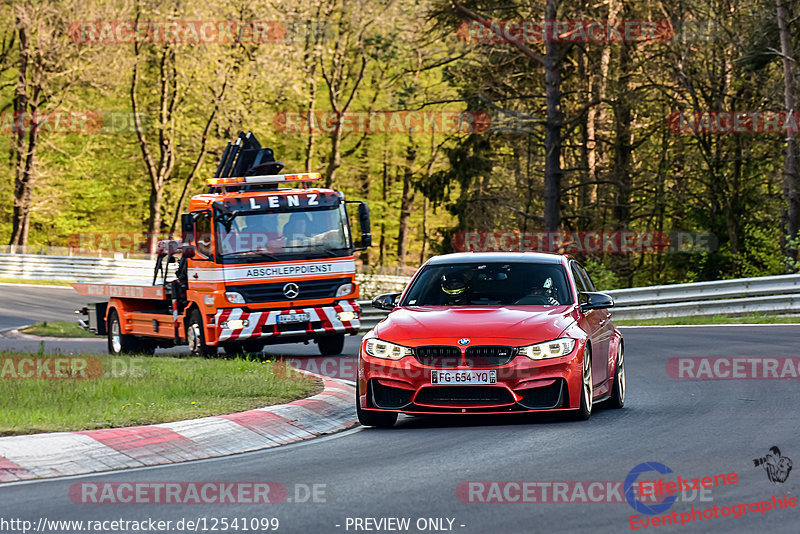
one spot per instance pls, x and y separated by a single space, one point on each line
118 343
331 345
617 399
196 337
585 411
376 419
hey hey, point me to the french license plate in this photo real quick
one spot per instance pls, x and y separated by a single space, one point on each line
294 318
463 377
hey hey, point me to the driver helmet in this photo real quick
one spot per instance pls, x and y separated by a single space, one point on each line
453 284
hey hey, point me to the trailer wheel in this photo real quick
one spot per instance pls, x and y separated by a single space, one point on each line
196 337
331 345
119 343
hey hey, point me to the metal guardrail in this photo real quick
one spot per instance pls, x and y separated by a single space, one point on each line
768 294
741 296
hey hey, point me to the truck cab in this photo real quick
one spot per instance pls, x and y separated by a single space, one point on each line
270 265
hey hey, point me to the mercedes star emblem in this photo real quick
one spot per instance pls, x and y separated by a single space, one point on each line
291 290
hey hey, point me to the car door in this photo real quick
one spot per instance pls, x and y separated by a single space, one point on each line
590 322
604 334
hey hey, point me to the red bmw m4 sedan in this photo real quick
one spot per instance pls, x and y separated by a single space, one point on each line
491 333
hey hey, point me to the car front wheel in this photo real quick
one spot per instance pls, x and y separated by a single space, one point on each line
617 399
585 411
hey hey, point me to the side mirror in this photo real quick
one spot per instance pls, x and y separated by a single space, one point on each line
595 301
188 251
364 223
385 301
187 226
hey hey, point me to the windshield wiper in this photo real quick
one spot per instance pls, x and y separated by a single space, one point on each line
243 252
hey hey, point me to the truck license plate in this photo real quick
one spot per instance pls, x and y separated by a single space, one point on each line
463 377
294 318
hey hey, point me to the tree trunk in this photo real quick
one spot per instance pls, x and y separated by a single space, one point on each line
24 146
425 239
791 172
406 205
552 136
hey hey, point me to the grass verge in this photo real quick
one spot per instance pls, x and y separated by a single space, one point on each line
57 329
755 318
137 390
36 282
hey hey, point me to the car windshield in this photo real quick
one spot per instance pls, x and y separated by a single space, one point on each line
466 284
317 230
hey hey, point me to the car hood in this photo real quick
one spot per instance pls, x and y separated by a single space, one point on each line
418 325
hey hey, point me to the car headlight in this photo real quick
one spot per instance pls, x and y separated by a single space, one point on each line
234 297
548 349
383 349
344 289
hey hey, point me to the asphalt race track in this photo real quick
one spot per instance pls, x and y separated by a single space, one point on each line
697 428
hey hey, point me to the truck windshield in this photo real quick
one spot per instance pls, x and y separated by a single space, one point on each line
321 230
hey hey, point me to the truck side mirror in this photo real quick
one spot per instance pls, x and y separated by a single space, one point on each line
364 223
188 251
187 226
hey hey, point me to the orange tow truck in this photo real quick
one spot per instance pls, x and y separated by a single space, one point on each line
257 264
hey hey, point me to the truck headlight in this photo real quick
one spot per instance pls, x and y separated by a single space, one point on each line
383 349
234 297
344 289
548 349
346 316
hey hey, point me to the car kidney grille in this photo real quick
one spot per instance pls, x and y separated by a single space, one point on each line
459 395
438 356
489 356
309 289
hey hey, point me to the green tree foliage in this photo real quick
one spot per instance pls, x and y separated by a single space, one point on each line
622 165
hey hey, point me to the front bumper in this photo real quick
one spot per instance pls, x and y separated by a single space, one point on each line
523 385
324 320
